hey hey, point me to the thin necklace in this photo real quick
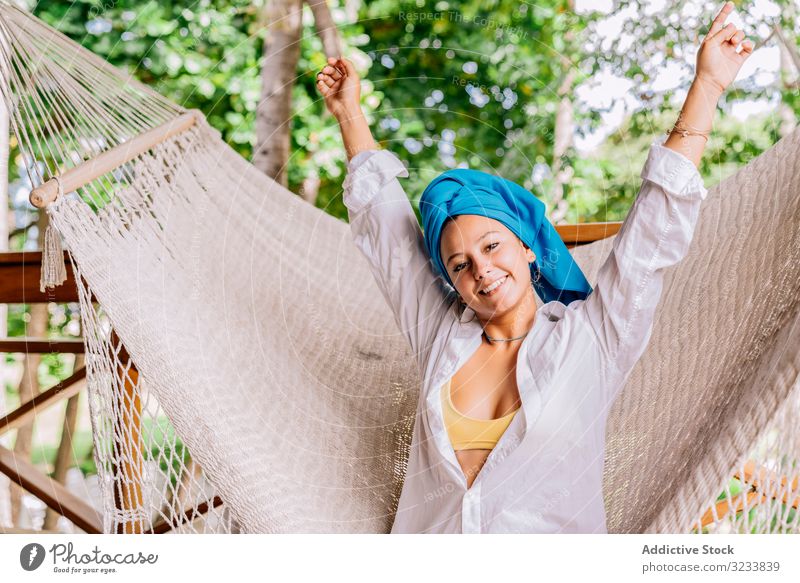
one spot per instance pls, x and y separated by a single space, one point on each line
490 339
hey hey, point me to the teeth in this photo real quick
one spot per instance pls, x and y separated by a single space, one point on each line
494 285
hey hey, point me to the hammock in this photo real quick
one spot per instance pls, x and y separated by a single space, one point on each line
244 374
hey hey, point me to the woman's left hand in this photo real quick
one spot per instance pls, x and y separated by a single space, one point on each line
718 63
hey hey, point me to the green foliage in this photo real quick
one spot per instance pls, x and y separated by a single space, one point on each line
82 446
468 84
63 321
165 447
203 55
471 84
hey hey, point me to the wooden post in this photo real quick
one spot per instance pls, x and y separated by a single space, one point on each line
129 471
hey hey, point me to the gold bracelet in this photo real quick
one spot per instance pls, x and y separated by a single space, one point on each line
683 133
684 130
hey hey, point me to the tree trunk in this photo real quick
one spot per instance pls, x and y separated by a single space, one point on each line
281 54
273 115
328 34
351 9
326 29
563 134
563 140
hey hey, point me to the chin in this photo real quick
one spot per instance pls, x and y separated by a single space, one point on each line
503 307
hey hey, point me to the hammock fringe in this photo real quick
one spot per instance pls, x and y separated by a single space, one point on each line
54 271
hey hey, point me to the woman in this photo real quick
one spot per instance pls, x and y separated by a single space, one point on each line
510 428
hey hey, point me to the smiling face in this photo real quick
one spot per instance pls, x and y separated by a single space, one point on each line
477 252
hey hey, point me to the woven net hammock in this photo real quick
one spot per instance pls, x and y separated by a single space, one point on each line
245 375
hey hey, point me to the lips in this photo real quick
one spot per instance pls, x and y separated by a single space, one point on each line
494 291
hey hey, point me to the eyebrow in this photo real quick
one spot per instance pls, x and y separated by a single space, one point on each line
487 233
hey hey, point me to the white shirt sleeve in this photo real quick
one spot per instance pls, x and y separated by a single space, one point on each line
655 235
386 230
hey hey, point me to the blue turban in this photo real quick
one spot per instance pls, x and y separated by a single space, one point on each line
462 191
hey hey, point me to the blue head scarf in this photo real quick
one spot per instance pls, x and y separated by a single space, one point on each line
462 191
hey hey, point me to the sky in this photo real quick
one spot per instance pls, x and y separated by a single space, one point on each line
608 90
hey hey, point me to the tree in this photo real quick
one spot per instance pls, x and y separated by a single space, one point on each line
281 52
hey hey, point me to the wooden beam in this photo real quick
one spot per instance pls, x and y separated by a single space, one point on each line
163 527
39 346
767 476
92 169
735 504
50 492
584 233
20 272
19 280
754 481
65 389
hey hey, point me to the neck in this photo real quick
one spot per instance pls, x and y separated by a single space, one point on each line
513 324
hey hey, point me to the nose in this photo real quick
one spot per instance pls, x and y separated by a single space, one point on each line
481 268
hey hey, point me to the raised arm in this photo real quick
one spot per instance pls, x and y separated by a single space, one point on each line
718 63
341 88
382 221
659 228
655 235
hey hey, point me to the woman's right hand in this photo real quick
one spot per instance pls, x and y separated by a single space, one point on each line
340 87
718 63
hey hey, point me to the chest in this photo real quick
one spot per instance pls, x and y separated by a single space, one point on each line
485 387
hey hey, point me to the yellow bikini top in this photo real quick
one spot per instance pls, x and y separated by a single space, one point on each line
469 432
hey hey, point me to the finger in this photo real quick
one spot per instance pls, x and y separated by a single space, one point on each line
332 66
324 79
338 64
728 35
329 81
333 72
724 34
322 88
747 48
737 38
719 19
350 69
334 62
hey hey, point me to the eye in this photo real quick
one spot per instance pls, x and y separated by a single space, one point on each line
489 247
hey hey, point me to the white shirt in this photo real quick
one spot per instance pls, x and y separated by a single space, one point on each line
545 473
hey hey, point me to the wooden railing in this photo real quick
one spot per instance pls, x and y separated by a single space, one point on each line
754 493
19 283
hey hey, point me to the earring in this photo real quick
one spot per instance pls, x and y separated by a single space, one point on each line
463 305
